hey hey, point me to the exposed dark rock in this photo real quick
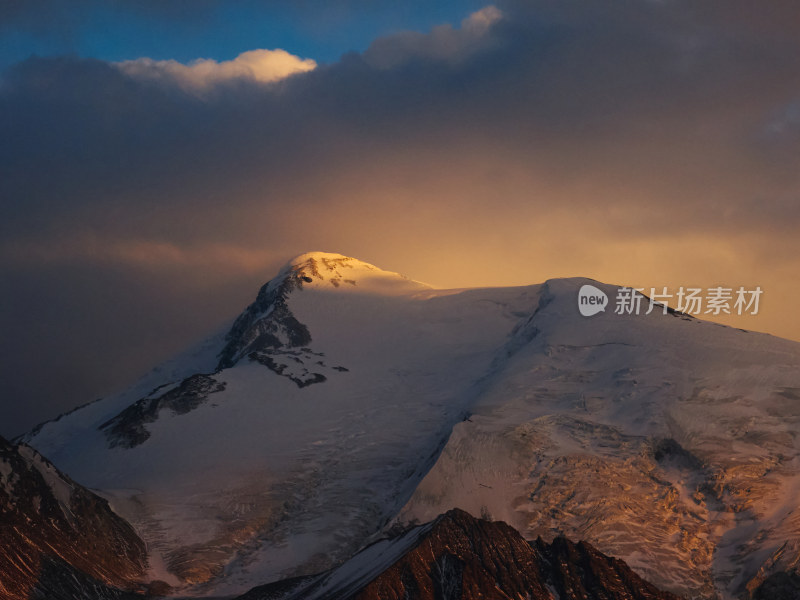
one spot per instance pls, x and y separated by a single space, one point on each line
57 539
268 323
302 378
159 588
58 580
268 332
779 586
128 429
461 557
669 450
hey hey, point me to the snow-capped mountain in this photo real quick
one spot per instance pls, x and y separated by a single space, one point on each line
59 541
280 448
347 399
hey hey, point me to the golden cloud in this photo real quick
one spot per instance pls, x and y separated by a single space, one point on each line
262 66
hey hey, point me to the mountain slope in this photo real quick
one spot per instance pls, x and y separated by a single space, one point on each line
302 434
664 440
57 539
459 556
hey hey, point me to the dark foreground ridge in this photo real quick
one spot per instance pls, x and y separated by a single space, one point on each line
460 557
59 541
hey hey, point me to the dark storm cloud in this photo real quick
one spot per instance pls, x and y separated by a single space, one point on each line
127 198
83 132
41 16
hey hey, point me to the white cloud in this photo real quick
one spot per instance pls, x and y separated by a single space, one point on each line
263 66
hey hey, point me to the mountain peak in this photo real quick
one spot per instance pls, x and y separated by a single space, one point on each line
269 323
332 270
302 259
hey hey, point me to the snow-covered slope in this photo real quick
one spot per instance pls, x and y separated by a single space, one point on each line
282 447
661 439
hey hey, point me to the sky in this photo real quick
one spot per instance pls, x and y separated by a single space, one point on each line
161 160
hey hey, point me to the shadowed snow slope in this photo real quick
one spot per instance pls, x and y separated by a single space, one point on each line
338 401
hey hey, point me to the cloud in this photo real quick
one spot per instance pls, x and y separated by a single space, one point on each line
443 43
145 254
539 139
261 66
41 16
